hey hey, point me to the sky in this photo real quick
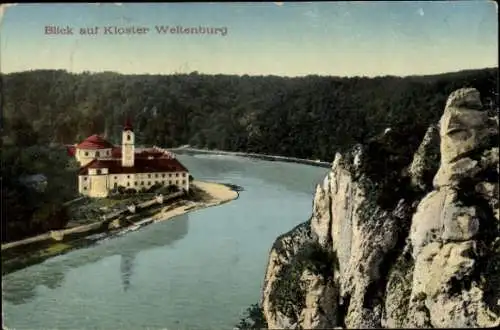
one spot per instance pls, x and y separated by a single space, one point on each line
281 38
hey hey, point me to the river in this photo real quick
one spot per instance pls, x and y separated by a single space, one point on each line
200 270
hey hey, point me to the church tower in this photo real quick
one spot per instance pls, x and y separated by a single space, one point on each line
128 149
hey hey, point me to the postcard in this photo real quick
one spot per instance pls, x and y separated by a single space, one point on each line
250 165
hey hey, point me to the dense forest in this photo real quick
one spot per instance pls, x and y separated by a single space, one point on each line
307 117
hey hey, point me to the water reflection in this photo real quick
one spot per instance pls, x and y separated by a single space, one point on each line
20 287
126 268
22 291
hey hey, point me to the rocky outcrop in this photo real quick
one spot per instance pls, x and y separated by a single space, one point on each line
298 265
282 253
426 160
455 228
404 233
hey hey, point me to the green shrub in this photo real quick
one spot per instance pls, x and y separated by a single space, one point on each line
287 292
253 319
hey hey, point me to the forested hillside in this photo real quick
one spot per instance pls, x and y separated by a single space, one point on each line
308 117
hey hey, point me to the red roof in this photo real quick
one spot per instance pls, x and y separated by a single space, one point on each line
71 150
144 153
116 152
95 142
128 125
141 165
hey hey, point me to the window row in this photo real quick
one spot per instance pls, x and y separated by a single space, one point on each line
149 175
163 175
98 153
150 183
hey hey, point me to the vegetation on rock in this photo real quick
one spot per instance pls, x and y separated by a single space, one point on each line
253 319
383 172
398 290
288 292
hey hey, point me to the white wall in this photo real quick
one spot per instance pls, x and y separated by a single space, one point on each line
99 186
100 171
146 180
84 156
136 181
84 185
128 148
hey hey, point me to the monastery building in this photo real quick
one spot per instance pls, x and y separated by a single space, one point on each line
105 167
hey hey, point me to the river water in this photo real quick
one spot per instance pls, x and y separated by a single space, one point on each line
197 271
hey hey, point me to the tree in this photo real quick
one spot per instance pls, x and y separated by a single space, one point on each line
308 117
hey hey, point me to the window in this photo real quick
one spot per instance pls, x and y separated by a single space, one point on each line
128 176
156 175
149 175
84 178
135 183
170 175
98 171
177 174
86 153
97 154
163 175
183 181
128 137
176 181
149 182
184 174
128 184
142 183
116 177
84 188
156 182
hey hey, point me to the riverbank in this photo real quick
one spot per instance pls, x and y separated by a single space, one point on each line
318 163
216 194
211 194
138 270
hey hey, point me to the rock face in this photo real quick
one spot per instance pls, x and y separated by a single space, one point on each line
455 228
426 160
390 246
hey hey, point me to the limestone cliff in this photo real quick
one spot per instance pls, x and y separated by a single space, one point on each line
401 234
